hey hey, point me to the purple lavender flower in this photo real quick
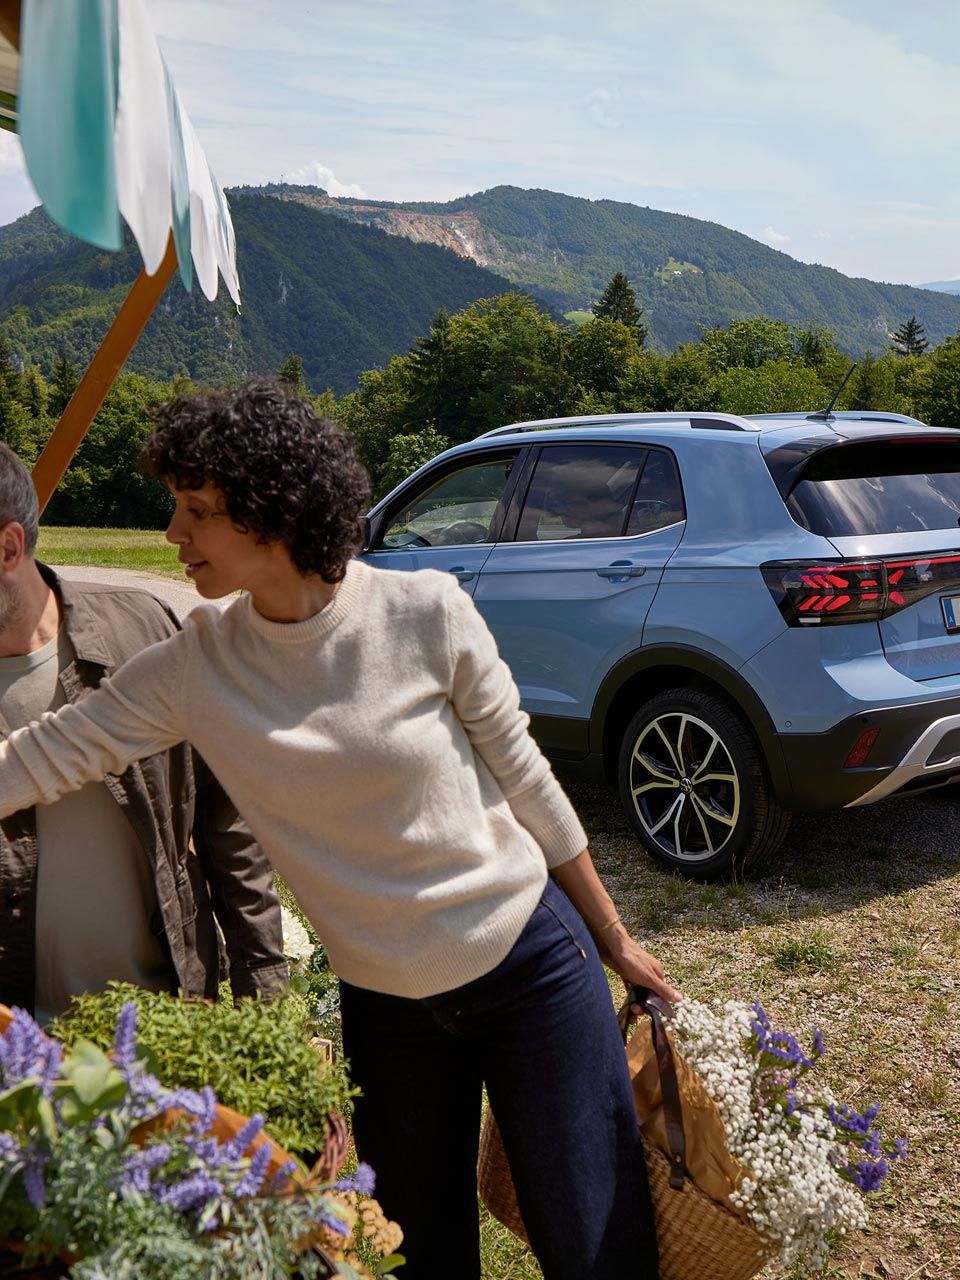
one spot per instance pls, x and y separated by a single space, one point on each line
238 1146
323 1217
818 1043
362 1180
140 1165
33 1183
283 1175
26 1054
125 1036
899 1150
252 1180
191 1192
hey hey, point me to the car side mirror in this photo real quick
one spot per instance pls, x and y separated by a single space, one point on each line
366 530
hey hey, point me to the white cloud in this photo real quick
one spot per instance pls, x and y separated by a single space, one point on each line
317 174
599 102
775 237
823 235
11 157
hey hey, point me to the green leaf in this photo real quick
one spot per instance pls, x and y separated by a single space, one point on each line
94 1079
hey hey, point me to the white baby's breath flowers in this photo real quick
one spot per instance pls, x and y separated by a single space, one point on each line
791 1188
297 945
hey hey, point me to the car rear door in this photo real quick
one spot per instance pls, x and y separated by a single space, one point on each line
895 501
567 596
447 518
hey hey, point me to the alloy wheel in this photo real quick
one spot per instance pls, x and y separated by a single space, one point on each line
684 787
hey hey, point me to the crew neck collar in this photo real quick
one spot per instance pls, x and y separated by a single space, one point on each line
315 627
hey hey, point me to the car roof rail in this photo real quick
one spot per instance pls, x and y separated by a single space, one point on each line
870 415
699 421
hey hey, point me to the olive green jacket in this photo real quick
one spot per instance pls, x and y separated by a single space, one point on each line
170 799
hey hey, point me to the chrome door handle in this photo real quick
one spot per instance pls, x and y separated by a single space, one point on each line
463 575
622 569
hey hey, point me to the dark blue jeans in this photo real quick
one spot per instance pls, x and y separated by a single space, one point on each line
540 1031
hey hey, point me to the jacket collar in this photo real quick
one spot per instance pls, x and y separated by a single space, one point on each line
80 619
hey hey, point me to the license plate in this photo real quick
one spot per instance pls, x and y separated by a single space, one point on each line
951 612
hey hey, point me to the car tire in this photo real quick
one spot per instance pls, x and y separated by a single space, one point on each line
695 788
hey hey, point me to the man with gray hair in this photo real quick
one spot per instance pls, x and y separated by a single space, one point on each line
105 883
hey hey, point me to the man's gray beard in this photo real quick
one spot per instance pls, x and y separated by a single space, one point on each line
11 607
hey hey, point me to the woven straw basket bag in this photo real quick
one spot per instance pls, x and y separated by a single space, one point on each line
698 1238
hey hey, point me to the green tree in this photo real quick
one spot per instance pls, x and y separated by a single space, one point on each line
406 453
778 386
437 395
940 402
747 344
619 302
291 372
103 485
62 384
872 386
910 339
33 392
600 354
325 404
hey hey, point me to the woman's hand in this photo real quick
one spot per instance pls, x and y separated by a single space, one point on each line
637 967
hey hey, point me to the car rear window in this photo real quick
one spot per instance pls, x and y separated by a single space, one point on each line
890 486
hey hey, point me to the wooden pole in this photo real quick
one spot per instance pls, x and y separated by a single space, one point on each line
10 21
100 376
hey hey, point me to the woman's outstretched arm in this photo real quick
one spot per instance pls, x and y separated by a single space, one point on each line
134 713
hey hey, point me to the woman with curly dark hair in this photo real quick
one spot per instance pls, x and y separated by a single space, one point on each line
367 730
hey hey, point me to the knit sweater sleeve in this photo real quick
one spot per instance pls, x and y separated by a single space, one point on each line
133 714
486 699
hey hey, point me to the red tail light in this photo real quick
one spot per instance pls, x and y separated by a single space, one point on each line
855 591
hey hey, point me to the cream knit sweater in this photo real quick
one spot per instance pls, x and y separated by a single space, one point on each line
377 752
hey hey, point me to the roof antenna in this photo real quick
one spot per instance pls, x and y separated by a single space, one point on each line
826 415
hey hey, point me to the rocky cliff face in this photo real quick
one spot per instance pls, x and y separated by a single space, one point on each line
460 232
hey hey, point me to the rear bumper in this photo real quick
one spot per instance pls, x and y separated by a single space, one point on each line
917 746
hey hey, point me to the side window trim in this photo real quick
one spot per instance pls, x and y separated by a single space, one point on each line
430 478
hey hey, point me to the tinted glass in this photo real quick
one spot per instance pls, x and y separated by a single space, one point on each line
658 501
457 510
580 491
890 487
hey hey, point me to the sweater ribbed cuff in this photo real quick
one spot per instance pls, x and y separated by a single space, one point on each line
561 839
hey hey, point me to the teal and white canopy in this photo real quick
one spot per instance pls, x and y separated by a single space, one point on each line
105 137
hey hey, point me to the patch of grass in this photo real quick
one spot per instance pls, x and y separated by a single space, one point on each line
144 549
578 318
810 953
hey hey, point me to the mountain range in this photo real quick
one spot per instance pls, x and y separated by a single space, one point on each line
943 286
348 283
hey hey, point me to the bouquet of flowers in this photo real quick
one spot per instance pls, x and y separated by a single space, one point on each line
108 1171
807 1160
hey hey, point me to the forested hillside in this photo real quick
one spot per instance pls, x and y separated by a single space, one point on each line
686 272
346 298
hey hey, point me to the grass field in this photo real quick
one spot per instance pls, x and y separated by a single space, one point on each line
856 928
110 548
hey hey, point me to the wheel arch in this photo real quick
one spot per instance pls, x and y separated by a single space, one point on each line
648 671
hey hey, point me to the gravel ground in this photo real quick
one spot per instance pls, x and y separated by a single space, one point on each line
180 596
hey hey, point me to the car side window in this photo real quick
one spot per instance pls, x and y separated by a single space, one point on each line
580 491
658 501
461 508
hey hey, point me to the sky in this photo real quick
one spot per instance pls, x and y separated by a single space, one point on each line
828 129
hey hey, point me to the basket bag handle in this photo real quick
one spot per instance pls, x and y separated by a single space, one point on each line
655 1007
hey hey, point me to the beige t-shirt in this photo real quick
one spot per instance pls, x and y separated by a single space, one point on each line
95 892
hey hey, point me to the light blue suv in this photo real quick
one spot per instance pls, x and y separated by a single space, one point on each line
732 618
